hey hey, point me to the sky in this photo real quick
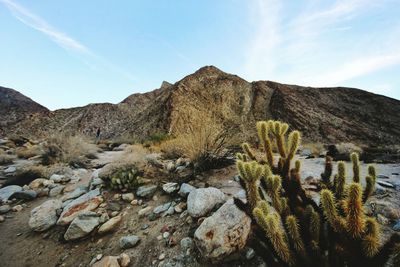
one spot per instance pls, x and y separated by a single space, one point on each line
71 53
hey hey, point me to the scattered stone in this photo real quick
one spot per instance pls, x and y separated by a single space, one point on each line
152 216
161 257
10 169
57 178
180 169
104 217
114 206
128 197
165 235
79 191
4 209
134 202
114 213
185 189
96 182
382 219
144 226
44 216
124 260
56 190
169 211
381 176
170 188
396 227
82 225
2 219
17 208
170 166
110 225
186 244
203 200
117 196
108 261
250 254
129 241
146 190
180 207
162 208
145 211
388 209
224 233
37 183
86 202
43 192
8 191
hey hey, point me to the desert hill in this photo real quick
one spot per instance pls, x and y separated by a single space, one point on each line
322 114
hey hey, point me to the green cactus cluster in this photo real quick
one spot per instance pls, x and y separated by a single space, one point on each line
127 177
293 230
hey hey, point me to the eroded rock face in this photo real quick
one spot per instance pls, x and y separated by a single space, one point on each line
223 233
44 216
87 202
203 200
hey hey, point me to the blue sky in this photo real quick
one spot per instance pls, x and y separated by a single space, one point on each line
71 53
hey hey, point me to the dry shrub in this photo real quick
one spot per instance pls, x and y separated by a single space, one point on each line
72 150
316 149
28 151
348 148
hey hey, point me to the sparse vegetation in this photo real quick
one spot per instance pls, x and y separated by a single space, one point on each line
27 152
291 229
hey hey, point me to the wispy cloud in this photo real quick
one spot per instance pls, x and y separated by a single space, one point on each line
65 41
317 44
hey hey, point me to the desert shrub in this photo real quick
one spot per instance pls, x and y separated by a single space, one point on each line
72 150
290 228
316 149
171 149
28 151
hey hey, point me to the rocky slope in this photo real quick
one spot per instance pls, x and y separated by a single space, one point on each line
322 114
15 107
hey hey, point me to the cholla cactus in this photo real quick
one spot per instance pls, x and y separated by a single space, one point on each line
292 228
123 177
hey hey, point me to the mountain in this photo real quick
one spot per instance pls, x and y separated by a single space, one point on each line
322 114
15 107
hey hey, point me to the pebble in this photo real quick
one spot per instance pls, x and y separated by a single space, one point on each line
250 253
134 202
166 235
4 209
128 197
396 227
145 211
124 260
129 241
161 257
17 208
2 218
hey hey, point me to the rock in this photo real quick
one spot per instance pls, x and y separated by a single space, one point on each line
57 178
388 209
180 169
145 211
44 216
96 182
37 183
2 219
8 191
43 192
169 211
10 169
134 202
56 190
161 257
86 202
129 241
170 188
180 207
114 206
17 208
185 189
79 191
382 219
224 233
162 208
203 200
108 261
146 190
186 244
82 225
396 227
250 254
110 225
4 209
128 197
170 166
381 176
124 260
384 184
26 195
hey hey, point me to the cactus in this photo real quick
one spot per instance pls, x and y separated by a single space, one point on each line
293 229
126 177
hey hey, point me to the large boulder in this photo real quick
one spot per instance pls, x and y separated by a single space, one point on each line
44 216
202 200
224 233
82 225
87 202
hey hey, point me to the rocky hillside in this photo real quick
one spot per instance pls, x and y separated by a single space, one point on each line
15 107
322 114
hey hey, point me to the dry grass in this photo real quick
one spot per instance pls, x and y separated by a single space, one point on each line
5 158
348 148
72 150
28 152
316 149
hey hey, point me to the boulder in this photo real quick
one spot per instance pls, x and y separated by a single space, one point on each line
128 241
8 191
223 233
128 197
44 216
26 195
202 200
110 225
79 191
146 190
82 225
87 202
55 191
185 189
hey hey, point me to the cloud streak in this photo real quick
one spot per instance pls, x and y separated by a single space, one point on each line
68 43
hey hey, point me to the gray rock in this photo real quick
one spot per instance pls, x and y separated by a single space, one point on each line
8 191
58 178
170 188
79 191
146 190
26 195
180 169
185 189
162 208
96 182
128 197
10 169
250 253
110 225
169 211
82 225
170 166
384 184
186 243
4 209
223 233
44 216
56 190
201 201
129 241
396 227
